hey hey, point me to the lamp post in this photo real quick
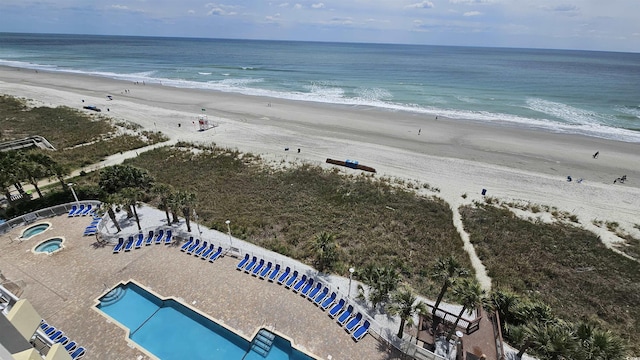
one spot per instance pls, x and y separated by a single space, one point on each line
229 231
74 193
351 270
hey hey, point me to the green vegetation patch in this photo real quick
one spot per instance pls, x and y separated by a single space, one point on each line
566 267
61 126
373 222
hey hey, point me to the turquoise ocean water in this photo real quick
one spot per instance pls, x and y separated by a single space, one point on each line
579 92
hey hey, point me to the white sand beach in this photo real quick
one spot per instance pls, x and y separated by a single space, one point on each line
455 156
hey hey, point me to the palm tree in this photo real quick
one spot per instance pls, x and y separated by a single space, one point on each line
597 344
446 270
174 204
108 202
164 193
551 340
117 177
131 198
382 281
10 171
404 303
35 166
505 303
59 171
186 200
470 294
325 250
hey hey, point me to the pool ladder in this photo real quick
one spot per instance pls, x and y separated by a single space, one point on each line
263 342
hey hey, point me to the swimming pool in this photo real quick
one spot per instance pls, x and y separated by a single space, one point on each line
171 330
34 230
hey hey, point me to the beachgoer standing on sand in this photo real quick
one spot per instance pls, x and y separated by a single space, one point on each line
419 130
595 156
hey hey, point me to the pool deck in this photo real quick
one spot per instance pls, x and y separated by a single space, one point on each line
64 286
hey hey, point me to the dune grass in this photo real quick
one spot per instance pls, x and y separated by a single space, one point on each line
62 126
374 222
564 266
80 139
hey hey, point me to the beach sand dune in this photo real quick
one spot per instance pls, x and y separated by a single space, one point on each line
455 156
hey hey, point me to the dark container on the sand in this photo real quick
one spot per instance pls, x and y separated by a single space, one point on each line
484 191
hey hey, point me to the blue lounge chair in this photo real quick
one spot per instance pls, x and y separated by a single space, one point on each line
119 245
167 238
258 267
78 354
71 346
291 279
208 252
253 261
128 244
44 326
345 315
139 241
63 340
159 236
72 211
274 273
351 325
300 283
361 331
79 211
243 262
89 232
149 239
86 210
314 291
193 246
284 275
266 270
318 299
336 308
202 247
216 254
56 335
305 289
50 331
186 245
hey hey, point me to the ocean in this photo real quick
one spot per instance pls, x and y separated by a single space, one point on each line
578 92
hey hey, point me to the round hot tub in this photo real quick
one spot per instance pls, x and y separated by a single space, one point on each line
34 230
49 246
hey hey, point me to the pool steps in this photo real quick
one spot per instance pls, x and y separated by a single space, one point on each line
112 296
263 342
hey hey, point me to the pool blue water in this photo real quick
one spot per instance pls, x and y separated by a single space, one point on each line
49 245
34 230
171 330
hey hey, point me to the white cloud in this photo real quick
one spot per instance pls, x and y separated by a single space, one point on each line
220 10
562 9
297 6
420 5
317 6
120 7
472 13
284 5
342 21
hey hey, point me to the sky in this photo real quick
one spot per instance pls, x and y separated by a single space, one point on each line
612 25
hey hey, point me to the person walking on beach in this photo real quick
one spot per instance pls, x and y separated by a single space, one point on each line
419 130
595 156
